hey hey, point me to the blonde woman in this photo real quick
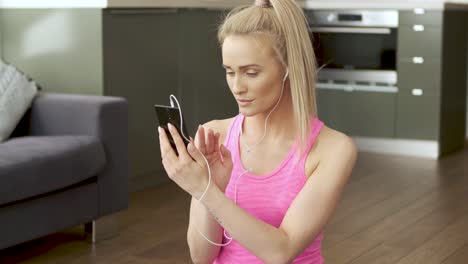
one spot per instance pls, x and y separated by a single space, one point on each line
266 194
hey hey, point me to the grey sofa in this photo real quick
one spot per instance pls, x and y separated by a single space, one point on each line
68 166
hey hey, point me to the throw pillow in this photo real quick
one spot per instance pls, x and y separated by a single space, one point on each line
16 96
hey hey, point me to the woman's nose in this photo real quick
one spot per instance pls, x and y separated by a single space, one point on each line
238 86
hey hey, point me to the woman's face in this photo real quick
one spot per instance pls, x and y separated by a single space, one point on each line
253 73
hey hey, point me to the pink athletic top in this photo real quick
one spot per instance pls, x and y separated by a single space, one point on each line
267 197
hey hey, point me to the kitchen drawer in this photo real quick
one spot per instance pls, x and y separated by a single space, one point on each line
418 91
417 117
428 18
420 76
358 113
369 114
329 107
427 43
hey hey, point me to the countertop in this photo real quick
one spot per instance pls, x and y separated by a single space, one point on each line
309 4
226 4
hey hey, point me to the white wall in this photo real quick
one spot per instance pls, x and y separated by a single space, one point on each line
59 48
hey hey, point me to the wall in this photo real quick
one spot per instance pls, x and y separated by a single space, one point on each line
61 49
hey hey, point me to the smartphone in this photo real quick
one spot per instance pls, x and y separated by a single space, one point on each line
167 114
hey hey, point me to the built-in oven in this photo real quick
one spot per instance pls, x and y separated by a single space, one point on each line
355 50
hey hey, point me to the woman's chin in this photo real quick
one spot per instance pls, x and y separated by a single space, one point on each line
247 112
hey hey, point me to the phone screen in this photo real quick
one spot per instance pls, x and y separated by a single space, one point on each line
166 115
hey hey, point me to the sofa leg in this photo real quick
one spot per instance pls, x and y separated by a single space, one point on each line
103 228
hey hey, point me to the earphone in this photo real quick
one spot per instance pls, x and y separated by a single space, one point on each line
172 99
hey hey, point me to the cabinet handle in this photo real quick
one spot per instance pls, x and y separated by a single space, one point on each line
417 92
418 60
143 11
419 11
418 28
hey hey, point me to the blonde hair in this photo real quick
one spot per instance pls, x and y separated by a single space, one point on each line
284 22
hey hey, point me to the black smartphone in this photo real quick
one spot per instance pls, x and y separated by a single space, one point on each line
165 115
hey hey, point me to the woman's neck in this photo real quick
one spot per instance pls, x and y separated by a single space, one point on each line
280 125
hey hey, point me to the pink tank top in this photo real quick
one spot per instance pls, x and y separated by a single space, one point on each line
268 197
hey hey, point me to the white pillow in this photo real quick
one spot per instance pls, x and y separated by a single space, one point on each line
16 95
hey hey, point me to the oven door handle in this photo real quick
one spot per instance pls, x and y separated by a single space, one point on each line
350 30
359 88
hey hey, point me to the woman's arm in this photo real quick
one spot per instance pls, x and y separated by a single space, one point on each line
202 251
304 220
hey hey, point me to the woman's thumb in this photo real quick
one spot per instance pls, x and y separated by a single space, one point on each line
195 153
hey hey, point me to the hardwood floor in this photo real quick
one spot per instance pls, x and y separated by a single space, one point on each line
394 210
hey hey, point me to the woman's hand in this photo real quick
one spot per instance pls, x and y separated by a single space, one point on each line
189 169
218 156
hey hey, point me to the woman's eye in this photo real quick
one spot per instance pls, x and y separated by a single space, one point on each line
252 74
230 73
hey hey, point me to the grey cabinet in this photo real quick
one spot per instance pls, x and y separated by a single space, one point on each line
358 113
150 54
431 103
419 75
428 17
369 114
329 108
205 93
419 40
426 76
140 49
418 116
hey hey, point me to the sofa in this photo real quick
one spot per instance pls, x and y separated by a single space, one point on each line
66 164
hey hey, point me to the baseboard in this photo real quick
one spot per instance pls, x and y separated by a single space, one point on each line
417 148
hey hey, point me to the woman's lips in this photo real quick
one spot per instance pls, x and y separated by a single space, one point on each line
244 102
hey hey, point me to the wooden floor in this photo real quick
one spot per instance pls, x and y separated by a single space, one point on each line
394 210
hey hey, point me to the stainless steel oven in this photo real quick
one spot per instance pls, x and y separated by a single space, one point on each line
355 50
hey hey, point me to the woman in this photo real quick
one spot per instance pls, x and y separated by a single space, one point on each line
266 195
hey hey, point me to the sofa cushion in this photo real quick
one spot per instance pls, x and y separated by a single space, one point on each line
31 166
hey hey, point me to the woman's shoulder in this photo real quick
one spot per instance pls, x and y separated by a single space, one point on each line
331 140
330 146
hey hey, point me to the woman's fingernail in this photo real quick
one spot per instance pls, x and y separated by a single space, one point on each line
159 130
190 146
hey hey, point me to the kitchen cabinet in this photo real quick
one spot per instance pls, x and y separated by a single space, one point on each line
150 54
419 75
140 63
426 77
363 113
369 114
329 108
204 91
431 103
417 116
427 17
